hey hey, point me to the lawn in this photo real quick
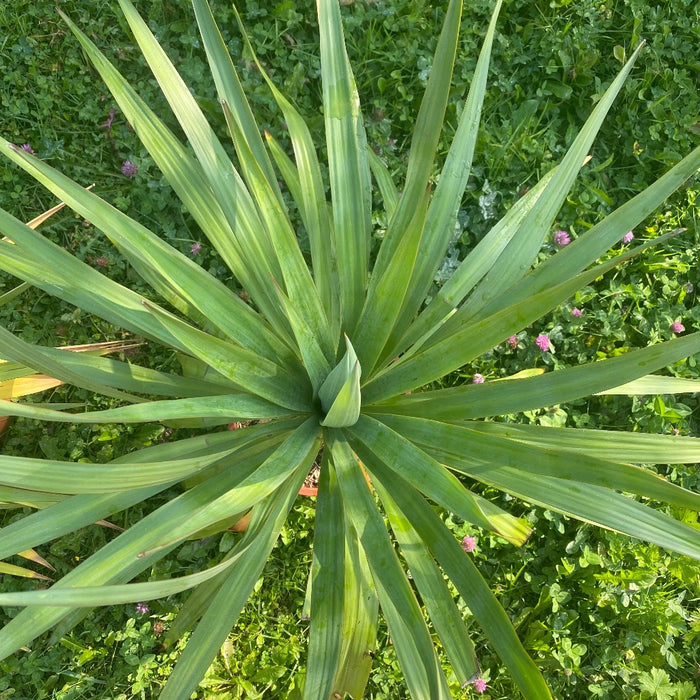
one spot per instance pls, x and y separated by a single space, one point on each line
602 615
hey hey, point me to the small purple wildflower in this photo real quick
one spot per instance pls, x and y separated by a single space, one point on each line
129 169
468 544
628 237
512 341
195 248
102 261
677 327
141 608
480 685
576 313
27 148
477 379
543 343
561 238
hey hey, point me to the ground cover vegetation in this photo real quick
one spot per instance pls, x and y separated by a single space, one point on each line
602 616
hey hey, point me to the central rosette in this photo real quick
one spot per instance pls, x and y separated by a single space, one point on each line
340 391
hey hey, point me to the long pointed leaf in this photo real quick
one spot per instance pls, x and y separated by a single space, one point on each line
462 346
247 370
123 558
640 448
360 613
299 283
592 504
523 248
514 395
549 460
183 172
16 349
234 591
397 256
470 271
228 187
410 635
585 249
229 87
442 213
465 576
347 162
311 196
328 568
81 477
300 447
239 407
437 598
656 384
172 271
431 478
49 267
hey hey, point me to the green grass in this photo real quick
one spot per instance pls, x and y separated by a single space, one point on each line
606 618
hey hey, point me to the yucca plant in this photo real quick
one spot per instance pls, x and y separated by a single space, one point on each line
330 359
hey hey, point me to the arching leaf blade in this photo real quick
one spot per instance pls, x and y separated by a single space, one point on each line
258 540
549 389
414 648
327 596
463 573
347 162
